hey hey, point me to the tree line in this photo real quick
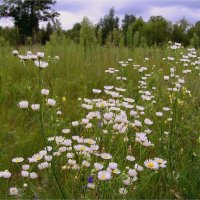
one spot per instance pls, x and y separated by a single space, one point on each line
133 32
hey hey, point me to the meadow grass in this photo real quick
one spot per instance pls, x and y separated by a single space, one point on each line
74 76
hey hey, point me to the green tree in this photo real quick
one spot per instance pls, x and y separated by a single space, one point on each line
116 37
27 14
137 26
74 33
136 39
180 32
143 41
44 34
3 42
99 36
129 36
128 19
194 31
87 36
10 35
109 40
197 28
121 40
108 24
194 41
157 30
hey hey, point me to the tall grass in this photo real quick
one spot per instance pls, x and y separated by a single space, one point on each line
74 76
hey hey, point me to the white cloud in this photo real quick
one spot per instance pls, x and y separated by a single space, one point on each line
93 9
96 9
68 19
6 22
175 13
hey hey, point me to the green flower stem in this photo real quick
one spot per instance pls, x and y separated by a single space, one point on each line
41 117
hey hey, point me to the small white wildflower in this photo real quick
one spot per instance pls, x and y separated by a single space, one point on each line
113 165
89 125
44 92
51 102
148 121
25 185
75 123
33 175
127 181
132 172
166 78
6 174
96 91
40 54
104 175
138 167
59 112
123 191
98 166
70 155
25 167
48 158
85 163
106 156
91 185
13 191
23 104
151 164
130 158
43 165
40 64
24 173
162 163
159 114
15 52
35 107
17 160
66 131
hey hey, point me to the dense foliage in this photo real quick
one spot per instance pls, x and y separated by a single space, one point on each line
137 118
27 14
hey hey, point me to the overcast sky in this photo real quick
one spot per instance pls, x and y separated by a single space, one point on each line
72 11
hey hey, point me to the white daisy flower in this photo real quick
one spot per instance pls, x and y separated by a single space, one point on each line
18 160
151 164
106 156
51 102
13 191
23 104
123 191
104 175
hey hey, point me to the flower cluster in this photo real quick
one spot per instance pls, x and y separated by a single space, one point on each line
115 137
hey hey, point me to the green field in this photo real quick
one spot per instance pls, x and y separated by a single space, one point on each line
171 133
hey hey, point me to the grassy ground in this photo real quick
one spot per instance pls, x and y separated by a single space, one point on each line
74 76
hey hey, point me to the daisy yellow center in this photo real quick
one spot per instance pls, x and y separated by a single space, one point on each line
106 157
82 148
92 186
90 141
150 164
159 161
103 177
115 171
102 104
38 157
18 160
